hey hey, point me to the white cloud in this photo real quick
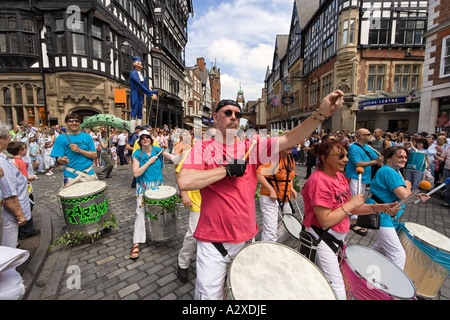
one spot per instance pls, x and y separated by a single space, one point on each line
240 36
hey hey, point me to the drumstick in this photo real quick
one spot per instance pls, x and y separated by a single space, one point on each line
359 171
376 151
432 191
425 185
160 153
254 142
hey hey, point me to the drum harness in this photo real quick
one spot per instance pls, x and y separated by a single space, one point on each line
80 174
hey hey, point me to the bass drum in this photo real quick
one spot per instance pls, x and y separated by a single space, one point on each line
272 271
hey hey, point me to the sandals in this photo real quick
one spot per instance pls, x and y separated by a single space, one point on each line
358 230
134 255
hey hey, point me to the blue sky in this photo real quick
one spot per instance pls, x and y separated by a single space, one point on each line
238 35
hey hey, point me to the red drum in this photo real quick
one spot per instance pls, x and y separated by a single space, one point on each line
369 275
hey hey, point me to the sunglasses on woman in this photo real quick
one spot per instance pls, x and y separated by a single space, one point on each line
144 137
228 113
340 156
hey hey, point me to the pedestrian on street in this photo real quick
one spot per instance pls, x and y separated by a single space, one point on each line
228 184
121 144
310 158
328 204
147 169
105 156
387 186
18 150
14 191
76 151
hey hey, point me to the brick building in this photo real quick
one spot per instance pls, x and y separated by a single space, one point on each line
436 81
372 50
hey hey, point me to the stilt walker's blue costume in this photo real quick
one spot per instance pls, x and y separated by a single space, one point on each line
138 87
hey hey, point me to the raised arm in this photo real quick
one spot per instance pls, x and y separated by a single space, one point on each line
329 105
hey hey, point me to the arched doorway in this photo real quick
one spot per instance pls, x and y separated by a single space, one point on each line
85 113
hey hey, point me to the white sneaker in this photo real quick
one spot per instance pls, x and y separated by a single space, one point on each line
48 173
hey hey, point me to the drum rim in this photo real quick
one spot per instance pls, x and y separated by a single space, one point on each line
350 265
161 199
414 236
295 236
104 188
228 287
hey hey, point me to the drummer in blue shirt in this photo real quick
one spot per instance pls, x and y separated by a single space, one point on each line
360 155
147 169
76 151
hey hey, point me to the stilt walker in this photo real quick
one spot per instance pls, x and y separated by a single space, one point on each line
138 87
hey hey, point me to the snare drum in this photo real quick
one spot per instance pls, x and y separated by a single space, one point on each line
427 258
416 162
292 225
85 206
161 213
368 275
272 271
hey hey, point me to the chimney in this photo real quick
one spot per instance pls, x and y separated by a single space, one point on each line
201 64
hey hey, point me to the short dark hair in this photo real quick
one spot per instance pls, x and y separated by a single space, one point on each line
72 115
227 102
15 147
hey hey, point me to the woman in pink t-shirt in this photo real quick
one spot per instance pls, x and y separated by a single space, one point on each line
328 204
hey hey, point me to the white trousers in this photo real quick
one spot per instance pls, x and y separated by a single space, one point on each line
327 262
273 228
388 244
10 234
139 235
212 269
189 242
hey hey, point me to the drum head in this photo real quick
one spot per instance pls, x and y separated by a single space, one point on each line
160 193
379 272
428 236
292 225
272 271
82 189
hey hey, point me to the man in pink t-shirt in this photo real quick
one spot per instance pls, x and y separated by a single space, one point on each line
228 183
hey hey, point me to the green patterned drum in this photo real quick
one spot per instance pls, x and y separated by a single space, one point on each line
161 213
85 206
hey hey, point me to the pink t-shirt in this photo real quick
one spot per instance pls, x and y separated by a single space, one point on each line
227 212
322 190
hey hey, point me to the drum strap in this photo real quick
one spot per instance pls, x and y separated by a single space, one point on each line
219 246
79 174
329 239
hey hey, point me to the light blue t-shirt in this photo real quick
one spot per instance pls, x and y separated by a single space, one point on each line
78 161
152 177
357 154
382 185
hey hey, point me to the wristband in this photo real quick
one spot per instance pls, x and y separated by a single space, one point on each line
345 211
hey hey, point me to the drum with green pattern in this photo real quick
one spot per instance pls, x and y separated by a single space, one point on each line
85 206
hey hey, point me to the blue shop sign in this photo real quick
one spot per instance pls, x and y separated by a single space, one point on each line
380 101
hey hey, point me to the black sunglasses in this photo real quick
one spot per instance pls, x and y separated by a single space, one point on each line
73 120
228 113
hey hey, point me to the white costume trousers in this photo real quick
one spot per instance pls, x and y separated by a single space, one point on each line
212 269
273 228
388 243
139 235
189 242
327 261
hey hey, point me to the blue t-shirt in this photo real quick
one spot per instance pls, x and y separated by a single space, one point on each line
383 184
152 176
78 161
357 154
